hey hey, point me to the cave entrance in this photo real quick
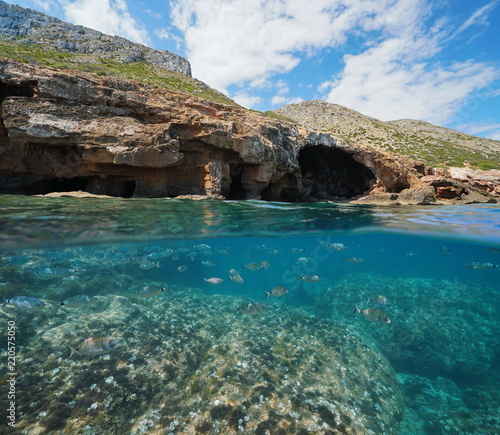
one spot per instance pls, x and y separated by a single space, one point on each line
65 184
236 189
332 173
129 188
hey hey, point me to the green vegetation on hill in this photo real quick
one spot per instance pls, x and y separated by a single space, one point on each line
139 71
433 145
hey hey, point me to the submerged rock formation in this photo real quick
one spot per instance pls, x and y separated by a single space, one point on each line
68 130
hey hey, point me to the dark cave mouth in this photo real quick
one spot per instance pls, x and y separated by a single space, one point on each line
332 173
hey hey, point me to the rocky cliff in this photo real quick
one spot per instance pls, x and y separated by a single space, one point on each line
31 27
69 130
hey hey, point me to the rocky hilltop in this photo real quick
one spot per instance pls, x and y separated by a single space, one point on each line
31 27
436 146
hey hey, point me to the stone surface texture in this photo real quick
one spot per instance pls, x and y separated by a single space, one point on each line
69 131
29 26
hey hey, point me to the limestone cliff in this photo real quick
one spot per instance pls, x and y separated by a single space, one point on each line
31 27
69 130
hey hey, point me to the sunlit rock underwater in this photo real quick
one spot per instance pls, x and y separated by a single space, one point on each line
177 316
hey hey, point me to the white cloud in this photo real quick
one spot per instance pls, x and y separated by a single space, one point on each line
237 41
245 99
398 78
490 131
479 17
108 16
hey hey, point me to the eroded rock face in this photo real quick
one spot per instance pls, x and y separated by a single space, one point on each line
67 130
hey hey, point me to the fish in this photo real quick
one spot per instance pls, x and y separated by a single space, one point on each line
54 272
236 278
233 272
354 260
310 278
202 247
214 280
25 303
78 301
372 314
302 260
18 260
149 291
296 250
264 264
209 263
478 265
252 266
93 346
251 308
146 264
337 246
379 300
276 291
182 268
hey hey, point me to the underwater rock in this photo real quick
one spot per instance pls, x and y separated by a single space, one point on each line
447 328
194 365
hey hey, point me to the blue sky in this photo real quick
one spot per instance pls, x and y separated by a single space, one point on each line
433 60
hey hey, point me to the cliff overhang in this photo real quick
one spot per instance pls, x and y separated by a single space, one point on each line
68 130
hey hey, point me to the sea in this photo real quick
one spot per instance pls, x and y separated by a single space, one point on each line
174 316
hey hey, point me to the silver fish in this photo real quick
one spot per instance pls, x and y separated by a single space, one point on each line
25 303
379 300
276 291
236 278
478 265
209 263
302 260
264 264
372 314
310 278
78 301
233 272
252 266
182 268
149 291
93 346
337 246
354 260
296 250
214 280
252 308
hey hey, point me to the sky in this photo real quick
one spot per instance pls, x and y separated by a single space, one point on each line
432 60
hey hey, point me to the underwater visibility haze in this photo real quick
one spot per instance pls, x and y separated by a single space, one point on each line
166 316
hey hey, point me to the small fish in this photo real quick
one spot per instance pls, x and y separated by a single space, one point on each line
276 291
252 266
25 303
18 260
264 264
296 250
54 272
310 278
236 278
354 260
251 308
209 263
233 272
203 247
302 260
146 264
78 301
372 314
93 346
379 300
149 291
478 265
214 280
337 246
182 268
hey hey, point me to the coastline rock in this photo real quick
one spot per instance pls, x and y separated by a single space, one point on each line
68 131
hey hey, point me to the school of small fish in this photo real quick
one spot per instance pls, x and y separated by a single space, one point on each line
68 266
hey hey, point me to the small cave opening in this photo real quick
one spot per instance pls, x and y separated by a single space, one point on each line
129 188
58 184
332 173
285 189
236 189
23 89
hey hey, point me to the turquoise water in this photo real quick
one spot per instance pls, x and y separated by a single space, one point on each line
192 359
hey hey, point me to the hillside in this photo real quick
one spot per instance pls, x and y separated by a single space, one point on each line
436 146
32 37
